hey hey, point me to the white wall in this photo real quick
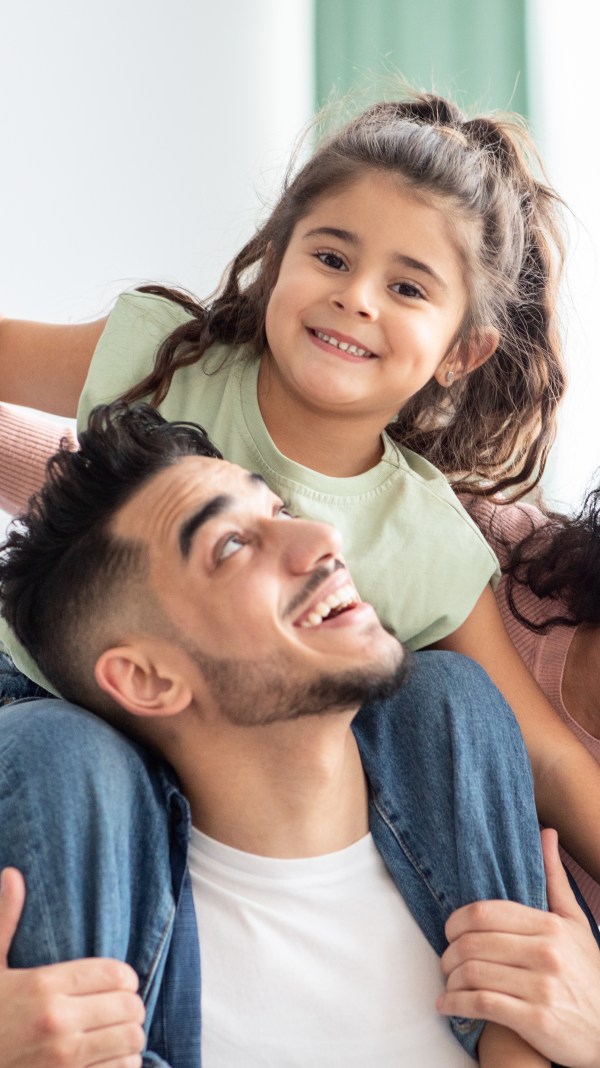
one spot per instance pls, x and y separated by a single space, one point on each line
564 49
138 138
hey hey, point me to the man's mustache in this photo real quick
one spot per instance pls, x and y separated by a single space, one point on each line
312 584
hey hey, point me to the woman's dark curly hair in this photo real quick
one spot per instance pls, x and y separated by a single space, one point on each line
560 560
491 430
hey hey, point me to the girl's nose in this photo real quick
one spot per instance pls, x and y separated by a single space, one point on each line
356 297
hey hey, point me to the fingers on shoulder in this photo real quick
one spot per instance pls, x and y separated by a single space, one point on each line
524 1017
89 975
502 916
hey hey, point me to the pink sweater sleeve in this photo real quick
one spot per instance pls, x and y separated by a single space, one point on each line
27 440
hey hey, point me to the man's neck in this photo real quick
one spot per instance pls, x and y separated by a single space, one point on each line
285 790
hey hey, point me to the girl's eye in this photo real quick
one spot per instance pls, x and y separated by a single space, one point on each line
331 259
407 289
232 544
284 513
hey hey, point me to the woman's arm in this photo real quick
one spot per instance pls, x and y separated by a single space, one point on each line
27 440
535 972
500 1048
44 365
566 776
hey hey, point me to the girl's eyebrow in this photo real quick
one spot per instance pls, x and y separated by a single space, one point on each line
333 231
418 265
398 257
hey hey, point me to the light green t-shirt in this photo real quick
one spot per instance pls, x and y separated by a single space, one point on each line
411 548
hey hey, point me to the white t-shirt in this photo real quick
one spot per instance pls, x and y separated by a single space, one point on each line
314 963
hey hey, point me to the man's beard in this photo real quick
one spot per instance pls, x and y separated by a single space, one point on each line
258 693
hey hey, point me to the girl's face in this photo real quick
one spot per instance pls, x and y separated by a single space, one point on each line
367 304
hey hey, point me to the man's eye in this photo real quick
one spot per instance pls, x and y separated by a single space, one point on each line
231 545
331 259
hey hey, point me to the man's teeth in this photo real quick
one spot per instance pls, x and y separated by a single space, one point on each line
343 598
343 345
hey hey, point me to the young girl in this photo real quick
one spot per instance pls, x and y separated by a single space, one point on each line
400 294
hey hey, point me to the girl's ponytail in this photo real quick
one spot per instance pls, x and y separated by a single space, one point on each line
492 431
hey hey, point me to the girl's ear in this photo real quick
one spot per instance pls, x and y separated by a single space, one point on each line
466 356
141 682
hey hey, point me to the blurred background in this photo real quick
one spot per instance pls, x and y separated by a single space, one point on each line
144 140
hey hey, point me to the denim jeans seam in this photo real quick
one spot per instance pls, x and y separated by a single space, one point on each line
158 954
407 851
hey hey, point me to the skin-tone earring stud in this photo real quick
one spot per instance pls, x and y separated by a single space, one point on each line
449 376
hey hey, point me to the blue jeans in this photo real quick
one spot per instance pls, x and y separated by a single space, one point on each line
14 685
100 829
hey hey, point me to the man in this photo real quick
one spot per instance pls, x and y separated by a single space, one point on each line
172 594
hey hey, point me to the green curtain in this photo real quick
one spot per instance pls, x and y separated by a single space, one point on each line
471 50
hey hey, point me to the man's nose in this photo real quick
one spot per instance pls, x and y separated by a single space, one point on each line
308 544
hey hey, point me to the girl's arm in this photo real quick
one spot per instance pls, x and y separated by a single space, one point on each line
500 1048
27 439
43 365
566 776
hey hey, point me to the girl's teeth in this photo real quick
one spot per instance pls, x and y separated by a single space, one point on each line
343 345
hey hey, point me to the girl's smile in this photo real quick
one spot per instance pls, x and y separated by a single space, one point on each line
366 308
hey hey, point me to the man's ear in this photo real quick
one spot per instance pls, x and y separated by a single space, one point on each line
466 356
142 682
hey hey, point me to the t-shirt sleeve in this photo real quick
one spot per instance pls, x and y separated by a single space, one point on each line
124 355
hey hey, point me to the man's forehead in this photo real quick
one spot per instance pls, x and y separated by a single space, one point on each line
187 485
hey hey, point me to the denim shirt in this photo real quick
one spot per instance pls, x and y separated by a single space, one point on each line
100 829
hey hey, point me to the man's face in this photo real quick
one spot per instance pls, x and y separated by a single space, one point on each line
261 602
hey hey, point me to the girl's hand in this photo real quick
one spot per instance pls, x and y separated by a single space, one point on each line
536 973
77 1014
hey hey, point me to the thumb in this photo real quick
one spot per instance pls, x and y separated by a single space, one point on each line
561 898
12 899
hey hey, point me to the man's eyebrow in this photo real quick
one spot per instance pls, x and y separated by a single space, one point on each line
192 525
212 508
398 257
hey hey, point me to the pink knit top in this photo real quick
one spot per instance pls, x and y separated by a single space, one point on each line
544 654
27 440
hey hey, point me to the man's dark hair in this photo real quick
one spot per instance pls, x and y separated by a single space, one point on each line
64 575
